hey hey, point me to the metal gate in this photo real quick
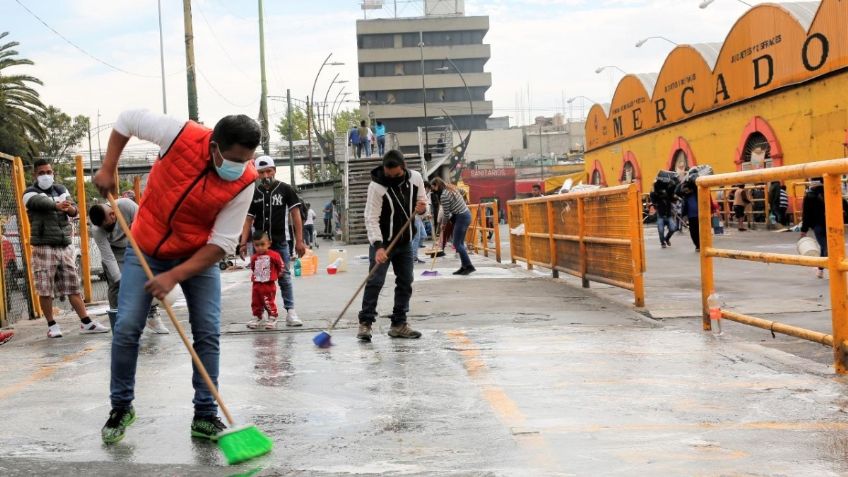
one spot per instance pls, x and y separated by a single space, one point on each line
16 298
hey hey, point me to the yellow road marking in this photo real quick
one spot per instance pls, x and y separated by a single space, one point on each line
43 373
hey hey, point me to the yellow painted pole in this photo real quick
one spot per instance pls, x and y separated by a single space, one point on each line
512 238
704 225
581 237
24 234
836 253
551 240
83 232
484 231
137 188
636 245
497 224
525 214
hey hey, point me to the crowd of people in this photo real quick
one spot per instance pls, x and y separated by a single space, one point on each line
362 139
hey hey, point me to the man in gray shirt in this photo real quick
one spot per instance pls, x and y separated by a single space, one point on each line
112 242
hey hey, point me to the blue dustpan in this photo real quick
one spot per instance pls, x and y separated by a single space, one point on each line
322 339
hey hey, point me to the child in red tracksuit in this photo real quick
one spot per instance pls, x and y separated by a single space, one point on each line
267 266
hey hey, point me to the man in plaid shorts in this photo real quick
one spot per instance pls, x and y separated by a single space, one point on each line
53 259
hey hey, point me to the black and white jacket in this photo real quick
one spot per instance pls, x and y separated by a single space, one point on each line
389 205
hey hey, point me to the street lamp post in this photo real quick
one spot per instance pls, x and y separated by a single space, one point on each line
706 3
573 98
602 68
326 97
470 102
427 154
311 117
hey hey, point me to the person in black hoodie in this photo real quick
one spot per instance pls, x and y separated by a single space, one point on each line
395 194
814 217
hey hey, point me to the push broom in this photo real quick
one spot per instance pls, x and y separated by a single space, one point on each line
238 443
323 339
431 272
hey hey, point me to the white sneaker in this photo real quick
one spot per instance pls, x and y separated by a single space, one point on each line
256 322
155 325
91 328
271 323
292 319
54 331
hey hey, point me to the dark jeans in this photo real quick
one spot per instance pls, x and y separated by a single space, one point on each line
662 222
401 261
328 227
381 145
460 227
309 231
695 231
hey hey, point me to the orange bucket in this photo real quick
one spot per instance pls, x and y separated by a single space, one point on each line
309 264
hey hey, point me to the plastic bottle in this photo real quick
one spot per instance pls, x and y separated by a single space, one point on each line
714 307
298 269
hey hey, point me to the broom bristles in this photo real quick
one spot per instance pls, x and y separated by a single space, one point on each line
244 443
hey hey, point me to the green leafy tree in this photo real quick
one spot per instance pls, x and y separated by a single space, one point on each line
20 106
299 125
345 120
61 132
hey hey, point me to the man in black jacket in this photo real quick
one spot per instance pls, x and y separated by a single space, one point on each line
662 200
395 194
49 207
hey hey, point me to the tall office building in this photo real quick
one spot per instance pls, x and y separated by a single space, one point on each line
393 78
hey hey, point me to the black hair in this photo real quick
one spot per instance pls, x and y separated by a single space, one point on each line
427 184
237 129
362 123
379 123
393 158
260 235
537 186
97 214
783 187
40 162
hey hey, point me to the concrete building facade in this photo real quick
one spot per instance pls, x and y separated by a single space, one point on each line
393 77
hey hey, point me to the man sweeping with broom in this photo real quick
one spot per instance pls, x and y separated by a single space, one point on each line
395 194
190 217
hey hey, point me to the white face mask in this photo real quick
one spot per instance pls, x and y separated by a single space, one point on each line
45 181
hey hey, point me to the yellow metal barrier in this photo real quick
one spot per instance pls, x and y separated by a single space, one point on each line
835 262
25 233
477 236
595 235
85 253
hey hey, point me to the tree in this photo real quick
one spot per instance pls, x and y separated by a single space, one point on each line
61 132
299 125
345 120
332 171
20 106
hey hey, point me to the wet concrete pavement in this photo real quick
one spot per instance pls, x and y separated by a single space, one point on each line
516 374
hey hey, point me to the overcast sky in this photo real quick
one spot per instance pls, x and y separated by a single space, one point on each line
554 46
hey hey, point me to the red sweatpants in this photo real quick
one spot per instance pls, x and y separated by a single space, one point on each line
264 298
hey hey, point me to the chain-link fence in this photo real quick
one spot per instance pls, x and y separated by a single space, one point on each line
17 299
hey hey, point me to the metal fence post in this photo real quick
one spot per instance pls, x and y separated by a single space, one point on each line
137 188
497 224
525 214
510 226
82 216
836 253
705 227
581 235
554 259
24 235
636 244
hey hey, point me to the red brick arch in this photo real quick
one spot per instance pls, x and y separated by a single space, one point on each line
760 125
681 144
597 166
637 171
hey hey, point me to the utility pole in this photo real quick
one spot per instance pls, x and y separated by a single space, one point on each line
291 133
162 60
190 75
263 105
309 137
427 153
90 154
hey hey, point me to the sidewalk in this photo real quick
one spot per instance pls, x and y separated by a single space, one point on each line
516 374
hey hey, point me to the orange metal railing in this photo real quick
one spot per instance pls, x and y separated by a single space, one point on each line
480 231
836 264
595 235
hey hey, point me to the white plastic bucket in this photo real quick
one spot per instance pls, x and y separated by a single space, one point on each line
808 246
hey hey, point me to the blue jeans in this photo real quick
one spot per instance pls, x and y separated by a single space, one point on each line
460 227
203 296
285 280
381 145
662 222
820 231
401 261
420 233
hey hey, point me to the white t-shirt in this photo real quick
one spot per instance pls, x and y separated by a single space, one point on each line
310 217
162 130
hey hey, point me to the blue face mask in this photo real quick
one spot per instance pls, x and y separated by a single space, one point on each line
230 170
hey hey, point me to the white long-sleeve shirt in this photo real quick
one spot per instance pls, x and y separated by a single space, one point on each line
162 130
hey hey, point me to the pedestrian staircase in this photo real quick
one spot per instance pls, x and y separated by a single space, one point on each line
356 180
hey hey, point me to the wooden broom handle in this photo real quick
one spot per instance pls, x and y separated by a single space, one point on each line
371 273
194 357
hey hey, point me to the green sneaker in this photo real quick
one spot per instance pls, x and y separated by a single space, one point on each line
207 427
116 426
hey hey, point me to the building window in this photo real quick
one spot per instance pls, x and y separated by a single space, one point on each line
757 152
681 163
367 42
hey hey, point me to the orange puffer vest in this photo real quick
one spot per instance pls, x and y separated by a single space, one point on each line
183 197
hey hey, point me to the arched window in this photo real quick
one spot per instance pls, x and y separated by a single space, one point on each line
597 176
758 147
630 171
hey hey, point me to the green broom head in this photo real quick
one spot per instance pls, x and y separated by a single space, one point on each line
244 443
